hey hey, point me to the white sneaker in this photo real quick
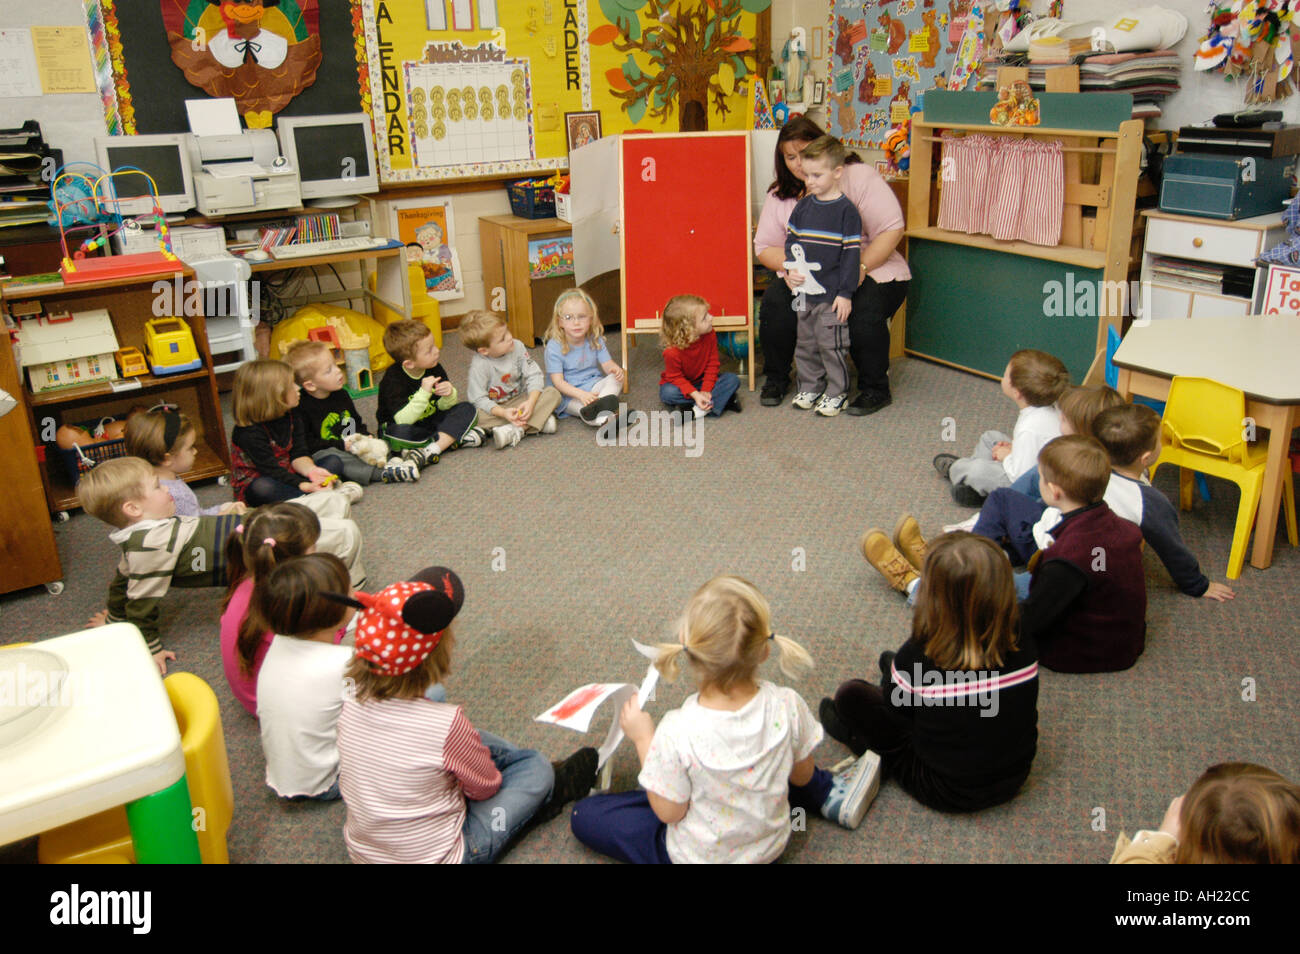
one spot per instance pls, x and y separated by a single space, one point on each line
698 411
400 471
507 435
352 490
968 525
805 399
473 437
853 791
550 426
831 406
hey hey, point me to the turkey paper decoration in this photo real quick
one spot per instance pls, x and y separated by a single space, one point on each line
262 53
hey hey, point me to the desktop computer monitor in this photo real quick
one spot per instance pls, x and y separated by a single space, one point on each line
164 157
334 155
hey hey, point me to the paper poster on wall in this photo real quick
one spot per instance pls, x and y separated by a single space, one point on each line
427 229
628 61
262 55
883 57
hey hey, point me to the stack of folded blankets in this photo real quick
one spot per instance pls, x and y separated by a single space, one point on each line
1150 76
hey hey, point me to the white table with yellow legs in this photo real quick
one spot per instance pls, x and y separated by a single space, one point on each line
86 725
1256 354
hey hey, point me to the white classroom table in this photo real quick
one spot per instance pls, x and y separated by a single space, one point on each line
1257 354
86 725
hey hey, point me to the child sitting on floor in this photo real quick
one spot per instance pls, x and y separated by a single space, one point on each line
418 406
420 783
268 447
159 549
578 362
955 717
720 774
505 384
690 378
331 419
270 535
1034 380
1235 813
165 438
300 684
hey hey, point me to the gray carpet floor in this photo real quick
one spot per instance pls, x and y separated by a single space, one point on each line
603 544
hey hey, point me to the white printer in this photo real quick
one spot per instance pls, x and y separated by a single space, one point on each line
242 172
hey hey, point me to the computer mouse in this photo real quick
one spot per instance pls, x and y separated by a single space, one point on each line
258 255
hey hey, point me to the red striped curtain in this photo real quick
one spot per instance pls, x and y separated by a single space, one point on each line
1011 189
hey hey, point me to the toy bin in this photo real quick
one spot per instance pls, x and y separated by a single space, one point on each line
532 198
82 457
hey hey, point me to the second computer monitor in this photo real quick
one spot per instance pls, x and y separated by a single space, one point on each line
334 155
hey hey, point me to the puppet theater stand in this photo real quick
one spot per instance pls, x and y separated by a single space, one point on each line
997 305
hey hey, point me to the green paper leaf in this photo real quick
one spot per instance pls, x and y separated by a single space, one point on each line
636 111
738 65
755 6
631 70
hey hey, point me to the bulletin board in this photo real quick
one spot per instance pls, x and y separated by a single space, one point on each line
476 88
883 57
686 223
144 91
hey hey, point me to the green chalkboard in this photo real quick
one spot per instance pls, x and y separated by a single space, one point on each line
1099 111
975 307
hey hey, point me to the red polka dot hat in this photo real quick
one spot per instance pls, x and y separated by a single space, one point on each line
400 625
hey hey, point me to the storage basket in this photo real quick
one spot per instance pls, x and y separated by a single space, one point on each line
529 200
81 458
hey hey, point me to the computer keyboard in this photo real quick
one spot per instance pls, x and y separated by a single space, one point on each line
328 247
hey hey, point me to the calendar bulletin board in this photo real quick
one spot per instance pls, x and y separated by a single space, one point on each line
476 88
882 57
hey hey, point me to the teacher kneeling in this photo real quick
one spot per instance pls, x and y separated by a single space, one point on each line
884 273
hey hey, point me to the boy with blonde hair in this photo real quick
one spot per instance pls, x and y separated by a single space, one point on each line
419 409
1034 380
159 549
332 420
506 386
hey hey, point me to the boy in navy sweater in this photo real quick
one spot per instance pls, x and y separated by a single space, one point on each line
825 232
1087 600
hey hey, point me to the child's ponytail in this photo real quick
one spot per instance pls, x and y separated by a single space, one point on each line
669 661
795 662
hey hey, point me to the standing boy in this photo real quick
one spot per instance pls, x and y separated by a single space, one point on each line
418 409
332 420
505 386
825 231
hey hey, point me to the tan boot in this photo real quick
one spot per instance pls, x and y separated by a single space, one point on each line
884 556
910 543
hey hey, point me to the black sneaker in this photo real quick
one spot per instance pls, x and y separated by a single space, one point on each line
967 496
606 405
867 403
574 778
772 394
734 404
943 463
837 730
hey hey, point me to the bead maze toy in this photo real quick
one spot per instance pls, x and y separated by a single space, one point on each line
76 194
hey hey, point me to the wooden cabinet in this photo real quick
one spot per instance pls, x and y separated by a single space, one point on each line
130 303
1189 263
504 240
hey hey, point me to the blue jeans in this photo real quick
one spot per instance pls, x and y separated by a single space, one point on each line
723 391
526 782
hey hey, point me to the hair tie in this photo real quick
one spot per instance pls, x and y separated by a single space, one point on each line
269 541
239 529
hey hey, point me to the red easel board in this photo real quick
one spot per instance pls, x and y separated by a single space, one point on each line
686 222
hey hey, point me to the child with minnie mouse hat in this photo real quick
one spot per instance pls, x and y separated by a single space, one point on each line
421 784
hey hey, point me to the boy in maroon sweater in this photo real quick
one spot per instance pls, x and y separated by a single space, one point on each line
1087 600
691 378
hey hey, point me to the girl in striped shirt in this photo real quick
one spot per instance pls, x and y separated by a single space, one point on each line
422 785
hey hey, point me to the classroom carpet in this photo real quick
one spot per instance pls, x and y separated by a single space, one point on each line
569 550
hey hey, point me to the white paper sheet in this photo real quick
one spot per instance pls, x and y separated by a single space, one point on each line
18 73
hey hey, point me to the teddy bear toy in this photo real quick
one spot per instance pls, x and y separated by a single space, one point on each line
370 449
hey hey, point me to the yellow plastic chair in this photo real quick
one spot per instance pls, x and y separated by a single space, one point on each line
106 839
1202 432
424 307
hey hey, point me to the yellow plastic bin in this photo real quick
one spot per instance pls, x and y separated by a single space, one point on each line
423 307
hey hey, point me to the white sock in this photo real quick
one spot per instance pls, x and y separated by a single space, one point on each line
913 585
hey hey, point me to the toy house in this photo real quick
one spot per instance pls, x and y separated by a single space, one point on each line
65 349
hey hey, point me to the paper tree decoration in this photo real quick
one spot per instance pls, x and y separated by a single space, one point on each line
693 53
